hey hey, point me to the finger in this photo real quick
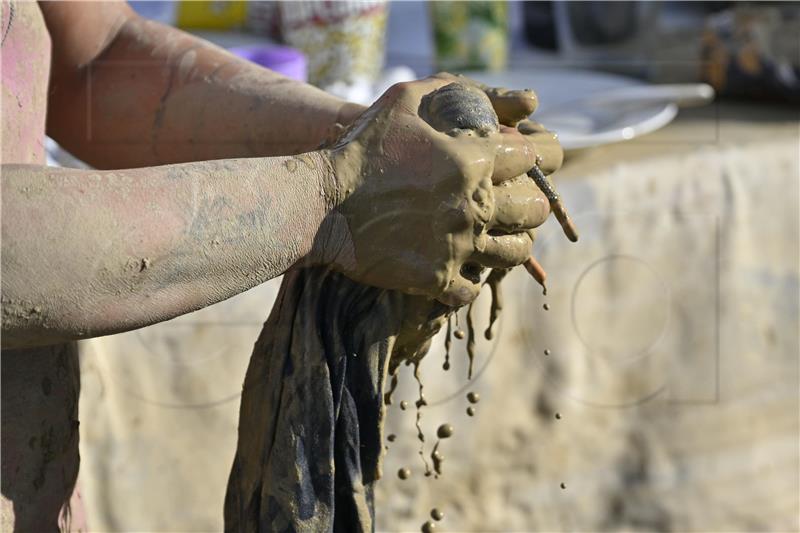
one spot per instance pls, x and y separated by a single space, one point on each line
515 155
512 106
457 106
519 205
504 251
546 144
459 78
530 127
409 94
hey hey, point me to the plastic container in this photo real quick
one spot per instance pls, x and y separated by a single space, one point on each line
282 59
211 14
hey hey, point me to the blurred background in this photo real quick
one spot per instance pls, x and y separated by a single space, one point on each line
659 392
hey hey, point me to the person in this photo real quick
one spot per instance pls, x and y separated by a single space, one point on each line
211 175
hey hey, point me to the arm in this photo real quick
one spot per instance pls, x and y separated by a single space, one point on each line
134 93
393 203
88 253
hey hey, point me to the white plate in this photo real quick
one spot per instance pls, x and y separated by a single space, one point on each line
558 86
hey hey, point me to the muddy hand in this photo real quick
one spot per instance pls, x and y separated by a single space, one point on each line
423 204
520 203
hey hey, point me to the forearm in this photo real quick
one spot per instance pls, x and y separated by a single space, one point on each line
93 253
157 95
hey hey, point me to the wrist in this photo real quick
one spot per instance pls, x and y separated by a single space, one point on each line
332 244
329 185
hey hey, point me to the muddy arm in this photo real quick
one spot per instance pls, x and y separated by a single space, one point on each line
127 92
90 253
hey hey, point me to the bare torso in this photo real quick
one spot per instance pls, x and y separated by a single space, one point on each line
39 385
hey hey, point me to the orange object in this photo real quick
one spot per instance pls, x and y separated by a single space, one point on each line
535 269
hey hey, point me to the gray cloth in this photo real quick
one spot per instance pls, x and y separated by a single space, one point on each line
310 427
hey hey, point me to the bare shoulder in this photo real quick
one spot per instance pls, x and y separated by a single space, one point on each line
76 32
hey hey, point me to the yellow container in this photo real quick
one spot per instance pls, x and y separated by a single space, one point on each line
211 14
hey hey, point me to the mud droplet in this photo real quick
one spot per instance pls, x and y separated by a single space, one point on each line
547 352
546 307
437 515
392 437
459 334
445 431
428 527
563 485
558 416
471 411
403 405
404 473
473 397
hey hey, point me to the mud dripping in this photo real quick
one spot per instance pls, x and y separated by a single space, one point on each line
447 342
387 396
445 431
420 403
493 281
470 340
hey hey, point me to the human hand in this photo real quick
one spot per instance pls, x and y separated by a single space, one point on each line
430 187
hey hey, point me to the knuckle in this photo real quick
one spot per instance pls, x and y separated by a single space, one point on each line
398 90
443 75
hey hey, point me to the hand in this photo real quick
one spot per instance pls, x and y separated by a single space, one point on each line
429 188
